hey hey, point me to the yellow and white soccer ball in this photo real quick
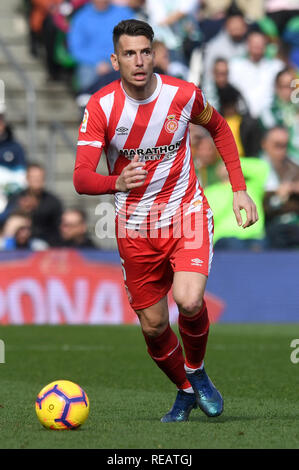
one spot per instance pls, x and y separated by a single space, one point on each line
62 405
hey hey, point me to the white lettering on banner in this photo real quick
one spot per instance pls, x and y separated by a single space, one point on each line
2 304
2 351
62 306
55 303
107 304
15 292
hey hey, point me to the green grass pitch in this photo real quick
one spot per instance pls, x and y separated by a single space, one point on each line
250 364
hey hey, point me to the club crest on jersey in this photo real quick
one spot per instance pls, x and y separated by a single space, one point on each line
171 124
84 122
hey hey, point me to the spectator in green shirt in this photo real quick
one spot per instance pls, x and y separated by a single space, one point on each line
284 111
227 235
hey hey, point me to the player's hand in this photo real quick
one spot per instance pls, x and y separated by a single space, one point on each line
243 201
132 176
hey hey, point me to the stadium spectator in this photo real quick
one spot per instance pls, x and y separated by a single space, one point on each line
255 69
43 33
12 163
252 10
282 191
56 26
227 236
281 12
17 234
44 208
62 14
246 129
206 159
161 59
284 111
38 11
219 87
175 24
230 42
136 5
73 230
90 42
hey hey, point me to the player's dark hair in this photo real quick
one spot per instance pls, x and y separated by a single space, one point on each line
132 28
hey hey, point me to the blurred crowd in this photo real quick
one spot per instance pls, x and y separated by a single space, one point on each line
31 217
245 57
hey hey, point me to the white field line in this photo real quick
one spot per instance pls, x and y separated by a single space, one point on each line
63 347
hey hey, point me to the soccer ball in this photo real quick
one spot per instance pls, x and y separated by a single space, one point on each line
62 405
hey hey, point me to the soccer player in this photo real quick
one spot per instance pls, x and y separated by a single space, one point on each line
164 225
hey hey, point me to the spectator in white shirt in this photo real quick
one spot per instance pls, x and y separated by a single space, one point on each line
172 21
254 75
229 43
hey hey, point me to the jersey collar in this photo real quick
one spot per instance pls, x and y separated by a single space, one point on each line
150 98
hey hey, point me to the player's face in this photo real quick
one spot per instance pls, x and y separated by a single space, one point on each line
134 59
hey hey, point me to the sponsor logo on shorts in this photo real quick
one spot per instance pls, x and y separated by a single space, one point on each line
196 262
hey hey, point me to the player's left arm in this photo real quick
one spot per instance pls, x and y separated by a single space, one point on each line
221 133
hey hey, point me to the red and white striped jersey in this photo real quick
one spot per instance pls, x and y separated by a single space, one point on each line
156 129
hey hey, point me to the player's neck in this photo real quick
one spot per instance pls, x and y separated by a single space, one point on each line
140 93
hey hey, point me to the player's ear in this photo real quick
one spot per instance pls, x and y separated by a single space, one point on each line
114 62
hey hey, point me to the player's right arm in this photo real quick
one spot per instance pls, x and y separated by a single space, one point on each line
91 142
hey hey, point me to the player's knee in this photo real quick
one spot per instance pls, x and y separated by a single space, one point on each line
154 328
189 306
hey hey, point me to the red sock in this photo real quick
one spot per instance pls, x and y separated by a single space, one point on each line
167 353
194 333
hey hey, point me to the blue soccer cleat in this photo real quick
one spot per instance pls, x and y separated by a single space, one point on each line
181 409
208 398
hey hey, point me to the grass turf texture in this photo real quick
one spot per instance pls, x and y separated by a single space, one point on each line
250 364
